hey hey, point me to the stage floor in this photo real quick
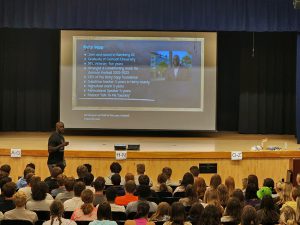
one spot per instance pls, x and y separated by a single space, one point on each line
210 142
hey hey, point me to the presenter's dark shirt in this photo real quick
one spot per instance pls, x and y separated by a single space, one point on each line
58 156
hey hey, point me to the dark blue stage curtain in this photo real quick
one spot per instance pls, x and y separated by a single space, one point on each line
204 15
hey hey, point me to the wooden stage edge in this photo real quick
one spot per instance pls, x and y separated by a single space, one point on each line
208 146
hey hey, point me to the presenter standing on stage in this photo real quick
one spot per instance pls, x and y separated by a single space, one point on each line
56 147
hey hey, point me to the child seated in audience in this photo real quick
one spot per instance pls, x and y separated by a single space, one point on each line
200 186
56 215
75 202
88 180
20 213
111 195
287 216
87 211
39 200
267 213
162 213
223 194
116 182
99 185
161 184
6 199
232 213
230 184
103 215
195 213
186 180
249 216
211 216
178 215
191 196
52 180
141 217
140 169
22 181
61 186
129 196
115 168
69 192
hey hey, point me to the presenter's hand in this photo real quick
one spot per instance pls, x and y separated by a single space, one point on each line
65 143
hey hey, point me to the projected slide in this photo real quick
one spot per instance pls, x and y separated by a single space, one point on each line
144 74
138 80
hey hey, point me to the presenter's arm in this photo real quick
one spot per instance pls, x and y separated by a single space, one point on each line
56 148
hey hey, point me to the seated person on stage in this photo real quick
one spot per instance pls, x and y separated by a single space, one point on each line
56 215
52 180
191 196
20 213
82 171
39 199
187 179
22 181
111 195
141 217
103 215
143 194
116 181
129 196
115 167
87 211
30 179
88 180
61 186
99 185
75 202
69 193
168 172
195 171
140 169
161 184
178 215
6 199
144 180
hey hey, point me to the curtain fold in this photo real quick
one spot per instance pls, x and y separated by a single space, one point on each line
204 15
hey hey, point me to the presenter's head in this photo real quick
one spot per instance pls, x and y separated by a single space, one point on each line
60 127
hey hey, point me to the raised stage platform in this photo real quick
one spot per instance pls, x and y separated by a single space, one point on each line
156 152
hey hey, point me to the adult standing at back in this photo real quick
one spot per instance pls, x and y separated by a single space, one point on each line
56 147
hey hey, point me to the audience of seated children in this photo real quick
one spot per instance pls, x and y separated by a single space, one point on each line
20 213
52 180
129 196
140 170
144 193
161 185
249 216
103 215
177 215
116 184
88 180
115 168
211 216
232 213
186 180
195 171
75 202
69 183
99 185
61 185
287 216
141 217
31 179
39 200
191 196
6 198
56 215
195 213
162 213
82 171
87 211
168 172
267 213
230 184
200 186
223 195
111 195
22 181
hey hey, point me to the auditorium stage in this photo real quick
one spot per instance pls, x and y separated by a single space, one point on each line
179 153
207 142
